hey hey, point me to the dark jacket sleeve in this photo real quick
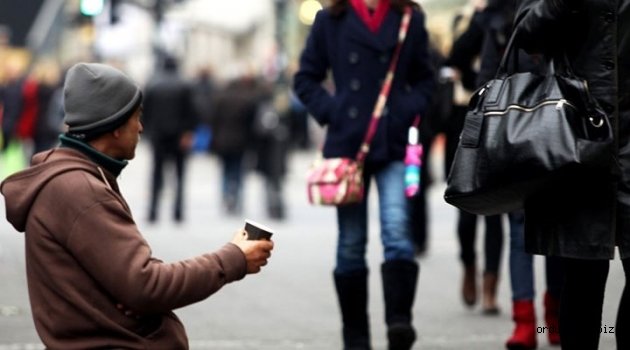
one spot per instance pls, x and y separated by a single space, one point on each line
540 23
466 49
314 66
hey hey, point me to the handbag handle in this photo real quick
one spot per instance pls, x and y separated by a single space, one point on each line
385 88
554 66
557 63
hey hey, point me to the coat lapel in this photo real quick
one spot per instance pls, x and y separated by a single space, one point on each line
388 32
383 40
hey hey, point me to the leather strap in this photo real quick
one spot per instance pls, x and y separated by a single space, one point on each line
384 93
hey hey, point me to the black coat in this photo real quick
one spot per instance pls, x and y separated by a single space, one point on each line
587 215
486 37
232 117
169 109
358 60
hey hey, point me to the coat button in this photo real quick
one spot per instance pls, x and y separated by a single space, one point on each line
383 58
385 111
609 65
355 84
353 57
353 112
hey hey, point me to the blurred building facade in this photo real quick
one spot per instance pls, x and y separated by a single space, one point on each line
230 36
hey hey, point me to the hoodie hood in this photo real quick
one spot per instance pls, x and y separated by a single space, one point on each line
21 189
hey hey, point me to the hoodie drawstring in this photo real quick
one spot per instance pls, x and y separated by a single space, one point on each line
104 178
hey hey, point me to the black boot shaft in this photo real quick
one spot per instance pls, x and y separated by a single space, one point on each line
352 293
399 289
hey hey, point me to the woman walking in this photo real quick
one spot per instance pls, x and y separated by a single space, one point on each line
355 41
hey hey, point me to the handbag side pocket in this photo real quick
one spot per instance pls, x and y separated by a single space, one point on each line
471 133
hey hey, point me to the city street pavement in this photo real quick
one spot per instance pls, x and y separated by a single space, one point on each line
291 304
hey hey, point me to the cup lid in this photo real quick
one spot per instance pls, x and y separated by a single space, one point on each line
259 225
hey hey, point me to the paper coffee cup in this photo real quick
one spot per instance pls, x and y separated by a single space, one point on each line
256 231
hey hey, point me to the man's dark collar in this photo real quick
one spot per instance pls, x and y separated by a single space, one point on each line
112 165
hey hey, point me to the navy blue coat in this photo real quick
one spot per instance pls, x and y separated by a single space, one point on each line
358 60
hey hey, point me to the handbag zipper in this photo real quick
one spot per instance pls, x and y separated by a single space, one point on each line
559 104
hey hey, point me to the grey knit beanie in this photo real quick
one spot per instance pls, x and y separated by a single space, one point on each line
97 99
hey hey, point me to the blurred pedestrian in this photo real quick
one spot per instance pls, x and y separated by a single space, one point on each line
584 217
526 329
92 280
460 66
52 123
272 144
48 121
203 93
170 119
496 21
12 101
355 41
432 123
25 126
13 150
203 90
231 122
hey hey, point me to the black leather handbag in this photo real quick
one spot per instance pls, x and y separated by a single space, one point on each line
522 132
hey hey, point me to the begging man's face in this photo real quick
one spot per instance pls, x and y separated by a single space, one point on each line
129 135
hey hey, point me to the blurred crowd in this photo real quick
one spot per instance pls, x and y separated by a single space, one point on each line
248 122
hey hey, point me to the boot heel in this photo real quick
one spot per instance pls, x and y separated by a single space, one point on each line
490 284
469 285
400 336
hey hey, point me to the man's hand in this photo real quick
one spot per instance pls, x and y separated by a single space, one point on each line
256 252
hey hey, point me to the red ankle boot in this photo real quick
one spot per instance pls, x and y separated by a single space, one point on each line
524 335
552 309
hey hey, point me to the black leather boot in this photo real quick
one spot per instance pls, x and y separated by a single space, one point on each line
352 292
399 289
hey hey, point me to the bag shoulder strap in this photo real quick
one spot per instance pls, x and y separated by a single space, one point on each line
387 84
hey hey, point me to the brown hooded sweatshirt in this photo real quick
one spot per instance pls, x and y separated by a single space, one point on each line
85 255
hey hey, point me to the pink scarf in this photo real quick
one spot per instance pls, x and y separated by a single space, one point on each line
372 21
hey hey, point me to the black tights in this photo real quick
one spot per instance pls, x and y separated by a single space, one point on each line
493 241
622 329
582 301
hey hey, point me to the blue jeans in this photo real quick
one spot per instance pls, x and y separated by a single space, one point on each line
394 216
521 264
232 181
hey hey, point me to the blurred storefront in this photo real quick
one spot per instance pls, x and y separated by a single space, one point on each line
231 37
